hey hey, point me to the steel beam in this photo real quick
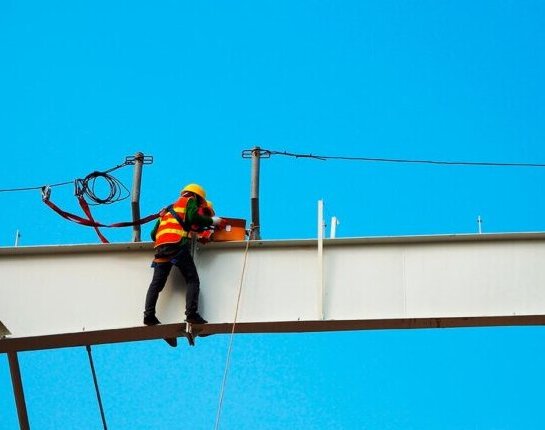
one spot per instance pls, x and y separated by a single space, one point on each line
54 296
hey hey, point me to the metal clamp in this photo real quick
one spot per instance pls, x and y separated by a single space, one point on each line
46 192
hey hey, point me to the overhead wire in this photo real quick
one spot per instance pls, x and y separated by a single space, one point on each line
86 194
268 153
8 190
89 181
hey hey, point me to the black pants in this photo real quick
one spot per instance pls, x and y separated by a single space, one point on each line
182 259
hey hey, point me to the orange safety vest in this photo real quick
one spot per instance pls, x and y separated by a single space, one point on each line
170 230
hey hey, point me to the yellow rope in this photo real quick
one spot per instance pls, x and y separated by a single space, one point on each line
228 360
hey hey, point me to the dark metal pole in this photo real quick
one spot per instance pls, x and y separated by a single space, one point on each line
95 381
18 390
255 232
135 203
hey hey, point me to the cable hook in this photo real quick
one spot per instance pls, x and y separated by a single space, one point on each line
46 192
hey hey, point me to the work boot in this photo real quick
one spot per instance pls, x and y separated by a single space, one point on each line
172 341
195 318
151 320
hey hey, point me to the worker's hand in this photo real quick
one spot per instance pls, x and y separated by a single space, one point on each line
206 236
219 223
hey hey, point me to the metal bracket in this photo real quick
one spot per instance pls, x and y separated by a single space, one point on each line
146 159
192 332
189 334
4 331
263 153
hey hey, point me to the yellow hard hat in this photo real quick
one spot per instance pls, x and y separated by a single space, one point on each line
195 188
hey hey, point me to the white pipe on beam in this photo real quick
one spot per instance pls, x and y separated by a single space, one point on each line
321 259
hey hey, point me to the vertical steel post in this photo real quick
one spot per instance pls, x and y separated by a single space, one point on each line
135 203
334 224
255 233
479 224
18 390
321 291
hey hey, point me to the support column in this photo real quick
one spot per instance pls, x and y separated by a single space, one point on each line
18 390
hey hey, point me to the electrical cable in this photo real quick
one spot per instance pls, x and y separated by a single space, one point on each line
8 190
267 153
86 187
231 339
89 178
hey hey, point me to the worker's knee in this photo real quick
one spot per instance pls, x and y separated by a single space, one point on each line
191 276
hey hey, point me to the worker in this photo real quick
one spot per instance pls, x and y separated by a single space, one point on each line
173 247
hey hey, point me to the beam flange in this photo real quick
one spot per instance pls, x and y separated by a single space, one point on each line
134 334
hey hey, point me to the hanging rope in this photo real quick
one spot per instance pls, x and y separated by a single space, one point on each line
88 347
230 348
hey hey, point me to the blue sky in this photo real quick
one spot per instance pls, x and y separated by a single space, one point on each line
84 84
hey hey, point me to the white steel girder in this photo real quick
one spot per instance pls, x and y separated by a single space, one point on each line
55 296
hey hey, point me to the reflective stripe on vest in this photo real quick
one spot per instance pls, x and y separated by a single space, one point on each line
169 230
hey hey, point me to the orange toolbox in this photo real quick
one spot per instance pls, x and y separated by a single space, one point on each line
234 230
